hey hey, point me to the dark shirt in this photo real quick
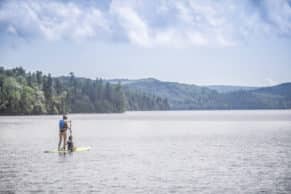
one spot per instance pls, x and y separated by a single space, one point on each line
70 145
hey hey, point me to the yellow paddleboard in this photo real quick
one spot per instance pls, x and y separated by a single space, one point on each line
76 149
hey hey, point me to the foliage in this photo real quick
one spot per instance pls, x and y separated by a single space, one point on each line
138 100
192 97
37 93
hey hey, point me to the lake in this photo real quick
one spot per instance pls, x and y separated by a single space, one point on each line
150 152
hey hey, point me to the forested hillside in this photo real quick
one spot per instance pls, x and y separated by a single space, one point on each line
139 100
24 92
179 96
193 97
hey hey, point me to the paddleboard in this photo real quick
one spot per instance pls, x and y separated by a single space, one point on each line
76 149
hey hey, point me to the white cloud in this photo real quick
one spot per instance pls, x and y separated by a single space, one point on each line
130 21
53 20
11 30
279 13
149 23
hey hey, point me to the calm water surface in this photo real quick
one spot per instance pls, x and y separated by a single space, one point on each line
150 152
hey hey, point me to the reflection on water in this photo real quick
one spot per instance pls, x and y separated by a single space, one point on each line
150 152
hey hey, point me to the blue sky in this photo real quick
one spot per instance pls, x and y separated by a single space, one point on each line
205 42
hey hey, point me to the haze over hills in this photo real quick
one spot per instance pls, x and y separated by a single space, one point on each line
230 88
218 88
189 96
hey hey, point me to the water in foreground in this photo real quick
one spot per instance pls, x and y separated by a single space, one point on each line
150 152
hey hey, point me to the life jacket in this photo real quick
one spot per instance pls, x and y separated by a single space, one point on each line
63 124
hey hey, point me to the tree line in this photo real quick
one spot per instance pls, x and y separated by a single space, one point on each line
24 92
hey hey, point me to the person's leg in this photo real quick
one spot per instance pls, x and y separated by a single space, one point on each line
65 139
72 147
60 140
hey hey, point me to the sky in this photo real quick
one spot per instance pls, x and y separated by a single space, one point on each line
209 42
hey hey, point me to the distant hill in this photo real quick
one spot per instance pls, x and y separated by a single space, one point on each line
189 97
283 90
180 96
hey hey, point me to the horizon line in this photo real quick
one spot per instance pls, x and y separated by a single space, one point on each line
144 78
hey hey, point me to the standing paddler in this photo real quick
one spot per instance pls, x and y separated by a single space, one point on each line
64 125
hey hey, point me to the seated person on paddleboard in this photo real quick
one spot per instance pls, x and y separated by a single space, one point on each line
63 127
70 143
